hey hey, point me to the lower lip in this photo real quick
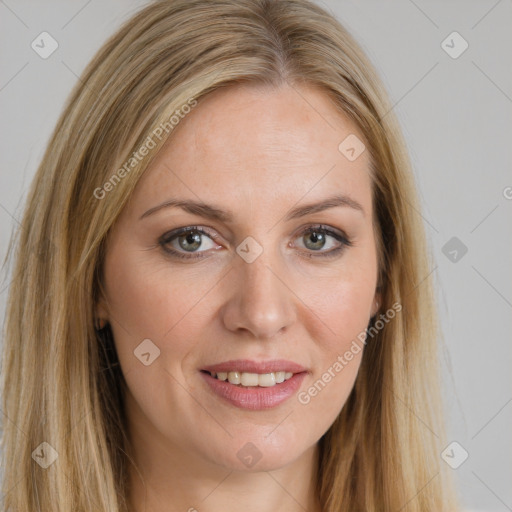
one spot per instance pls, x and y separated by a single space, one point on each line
254 398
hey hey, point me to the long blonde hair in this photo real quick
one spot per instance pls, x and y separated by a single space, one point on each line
61 381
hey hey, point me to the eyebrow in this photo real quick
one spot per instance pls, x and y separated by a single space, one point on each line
212 212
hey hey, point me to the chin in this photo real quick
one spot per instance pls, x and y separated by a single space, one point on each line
257 454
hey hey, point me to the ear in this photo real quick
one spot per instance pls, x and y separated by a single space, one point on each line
101 315
377 302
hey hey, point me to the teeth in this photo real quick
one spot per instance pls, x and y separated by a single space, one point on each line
234 377
265 380
280 377
249 379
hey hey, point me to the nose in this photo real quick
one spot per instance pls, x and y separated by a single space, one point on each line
260 300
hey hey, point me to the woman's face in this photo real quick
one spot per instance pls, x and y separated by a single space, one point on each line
249 290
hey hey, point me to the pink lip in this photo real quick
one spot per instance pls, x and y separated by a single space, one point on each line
255 398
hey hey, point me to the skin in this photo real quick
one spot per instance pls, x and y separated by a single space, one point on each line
258 153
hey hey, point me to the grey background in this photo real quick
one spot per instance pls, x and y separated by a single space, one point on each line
456 117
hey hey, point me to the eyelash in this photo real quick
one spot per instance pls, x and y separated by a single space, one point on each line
169 237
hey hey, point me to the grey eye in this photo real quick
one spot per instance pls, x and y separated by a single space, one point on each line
188 240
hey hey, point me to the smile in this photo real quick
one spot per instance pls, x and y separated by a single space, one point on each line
247 379
253 385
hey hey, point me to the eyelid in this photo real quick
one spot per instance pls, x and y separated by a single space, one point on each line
339 235
183 230
169 236
305 228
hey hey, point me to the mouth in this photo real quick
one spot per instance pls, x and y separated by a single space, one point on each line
248 380
251 385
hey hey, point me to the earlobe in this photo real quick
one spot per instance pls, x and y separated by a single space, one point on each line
377 301
101 315
99 323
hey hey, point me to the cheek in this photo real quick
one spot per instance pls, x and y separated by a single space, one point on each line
344 309
342 305
142 297
341 298
143 302
338 355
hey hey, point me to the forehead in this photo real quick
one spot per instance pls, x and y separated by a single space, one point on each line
258 143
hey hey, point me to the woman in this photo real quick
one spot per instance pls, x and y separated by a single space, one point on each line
220 296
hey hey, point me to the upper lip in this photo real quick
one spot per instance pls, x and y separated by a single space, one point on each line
249 366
